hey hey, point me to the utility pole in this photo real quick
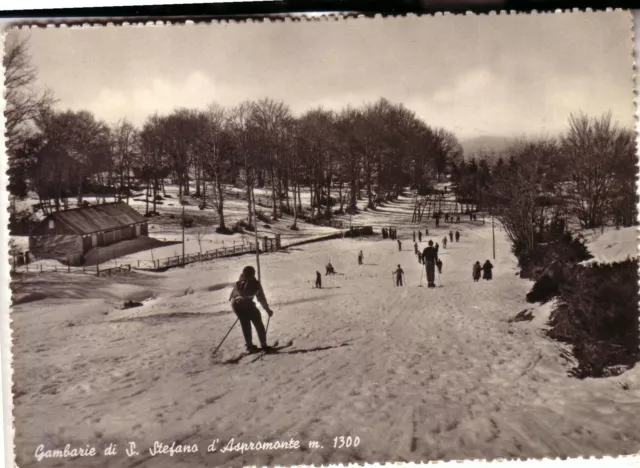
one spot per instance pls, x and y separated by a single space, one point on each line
182 201
255 230
493 233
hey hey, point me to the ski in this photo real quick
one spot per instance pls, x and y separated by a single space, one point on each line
274 350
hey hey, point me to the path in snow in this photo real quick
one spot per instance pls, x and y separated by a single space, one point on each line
416 374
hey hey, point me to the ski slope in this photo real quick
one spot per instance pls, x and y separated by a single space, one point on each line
417 374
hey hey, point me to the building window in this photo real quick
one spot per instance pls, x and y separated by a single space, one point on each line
51 224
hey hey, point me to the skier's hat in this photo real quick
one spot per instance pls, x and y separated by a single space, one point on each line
249 272
430 242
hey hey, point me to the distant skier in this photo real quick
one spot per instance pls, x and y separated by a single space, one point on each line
457 236
360 258
415 248
444 242
437 222
430 257
419 236
437 248
399 275
419 257
426 231
446 217
318 280
439 265
399 245
451 235
486 270
384 233
330 270
477 268
414 236
246 288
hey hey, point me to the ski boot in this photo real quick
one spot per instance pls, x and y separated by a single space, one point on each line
252 349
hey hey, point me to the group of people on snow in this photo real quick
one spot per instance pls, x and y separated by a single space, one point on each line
389 233
486 270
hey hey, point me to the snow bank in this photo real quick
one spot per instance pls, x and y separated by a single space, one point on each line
614 245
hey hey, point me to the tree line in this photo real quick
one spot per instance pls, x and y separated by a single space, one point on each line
540 188
373 152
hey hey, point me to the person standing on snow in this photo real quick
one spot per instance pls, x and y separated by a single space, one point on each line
414 236
415 248
360 258
318 280
246 288
399 245
486 270
419 236
430 257
477 268
444 242
457 236
437 248
451 236
399 276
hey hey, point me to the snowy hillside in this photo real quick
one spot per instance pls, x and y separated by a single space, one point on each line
442 372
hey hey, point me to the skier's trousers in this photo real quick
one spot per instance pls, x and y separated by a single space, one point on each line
431 271
248 313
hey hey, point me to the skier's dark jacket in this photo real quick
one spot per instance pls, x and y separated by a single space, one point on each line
246 289
430 254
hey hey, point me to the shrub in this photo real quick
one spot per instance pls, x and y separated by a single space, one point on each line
564 249
597 314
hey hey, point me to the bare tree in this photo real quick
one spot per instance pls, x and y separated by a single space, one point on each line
595 149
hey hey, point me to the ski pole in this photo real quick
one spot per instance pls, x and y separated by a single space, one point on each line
225 336
421 273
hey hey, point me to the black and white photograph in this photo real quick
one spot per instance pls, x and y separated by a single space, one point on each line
323 241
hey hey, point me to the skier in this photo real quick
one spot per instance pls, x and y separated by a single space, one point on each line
477 268
430 257
330 270
446 217
415 247
399 275
419 257
419 236
437 222
360 258
318 280
486 270
437 248
444 242
246 288
426 231
451 235
439 265
457 236
399 245
414 236
384 233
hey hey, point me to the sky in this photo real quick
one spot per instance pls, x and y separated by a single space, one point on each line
498 75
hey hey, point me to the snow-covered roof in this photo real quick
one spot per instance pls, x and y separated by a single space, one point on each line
95 218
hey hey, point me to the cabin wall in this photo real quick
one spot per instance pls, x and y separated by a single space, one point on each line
66 249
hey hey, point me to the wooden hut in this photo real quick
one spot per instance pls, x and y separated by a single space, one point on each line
68 235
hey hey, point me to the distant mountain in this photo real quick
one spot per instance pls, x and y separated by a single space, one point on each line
485 143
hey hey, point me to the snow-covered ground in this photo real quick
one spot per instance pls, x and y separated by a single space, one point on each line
612 245
417 374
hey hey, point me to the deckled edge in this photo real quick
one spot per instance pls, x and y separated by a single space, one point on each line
6 366
6 331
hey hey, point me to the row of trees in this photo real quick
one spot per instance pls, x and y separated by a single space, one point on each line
373 152
536 188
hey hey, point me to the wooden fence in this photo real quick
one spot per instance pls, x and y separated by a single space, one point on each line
179 260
